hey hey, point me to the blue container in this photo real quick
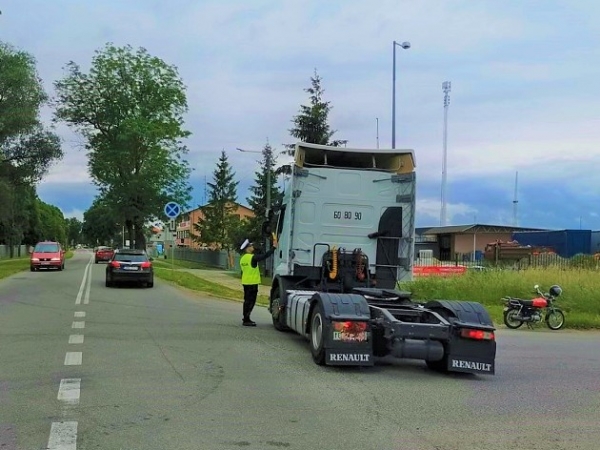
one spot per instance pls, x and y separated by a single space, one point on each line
567 243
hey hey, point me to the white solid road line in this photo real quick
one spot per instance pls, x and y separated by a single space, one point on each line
80 314
69 391
78 324
87 277
73 358
76 339
63 436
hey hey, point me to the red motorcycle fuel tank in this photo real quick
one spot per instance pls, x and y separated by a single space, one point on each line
539 302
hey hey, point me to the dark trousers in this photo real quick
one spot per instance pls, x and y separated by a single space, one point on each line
250 294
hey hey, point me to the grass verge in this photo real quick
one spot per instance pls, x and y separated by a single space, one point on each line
12 266
579 301
194 283
180 264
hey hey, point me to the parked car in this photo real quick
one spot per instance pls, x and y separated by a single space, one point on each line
103 253
47 255
130 266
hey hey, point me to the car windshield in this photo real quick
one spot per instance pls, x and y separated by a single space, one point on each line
130 257
46 248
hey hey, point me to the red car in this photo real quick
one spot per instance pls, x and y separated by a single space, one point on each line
104 254
47 255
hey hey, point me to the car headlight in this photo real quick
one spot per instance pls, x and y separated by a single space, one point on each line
55 259
35 259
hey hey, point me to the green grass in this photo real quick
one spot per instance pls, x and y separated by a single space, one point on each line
180 264
192 282
579 300
11 266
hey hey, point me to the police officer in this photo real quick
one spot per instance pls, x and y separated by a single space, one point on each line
251 277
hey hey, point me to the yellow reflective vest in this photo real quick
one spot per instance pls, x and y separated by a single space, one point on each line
250 275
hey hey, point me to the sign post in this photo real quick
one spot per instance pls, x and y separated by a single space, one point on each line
172 211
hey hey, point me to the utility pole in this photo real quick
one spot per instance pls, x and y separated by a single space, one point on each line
516 202
443 215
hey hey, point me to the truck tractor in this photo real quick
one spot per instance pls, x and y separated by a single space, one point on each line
345 233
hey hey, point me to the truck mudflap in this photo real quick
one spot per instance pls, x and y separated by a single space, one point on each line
341 321
471 347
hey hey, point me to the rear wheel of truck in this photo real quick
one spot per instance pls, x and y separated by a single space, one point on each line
441 365
317 340
276 311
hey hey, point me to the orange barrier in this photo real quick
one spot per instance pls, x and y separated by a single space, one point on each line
424 271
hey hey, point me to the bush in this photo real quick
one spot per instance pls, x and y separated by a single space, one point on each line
579 300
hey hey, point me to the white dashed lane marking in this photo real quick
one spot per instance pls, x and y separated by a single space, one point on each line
69 391
63 436
73 358
76 339
80 314
78 324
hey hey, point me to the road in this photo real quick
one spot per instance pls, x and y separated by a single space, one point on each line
87 367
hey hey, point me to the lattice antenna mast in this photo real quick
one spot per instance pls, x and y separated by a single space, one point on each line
443 214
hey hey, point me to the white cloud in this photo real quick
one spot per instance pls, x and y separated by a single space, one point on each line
428 209
524 97
77 213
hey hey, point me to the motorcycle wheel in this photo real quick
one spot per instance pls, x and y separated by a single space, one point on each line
510 321
555 319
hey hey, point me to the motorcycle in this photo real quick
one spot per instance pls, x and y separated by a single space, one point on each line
519 311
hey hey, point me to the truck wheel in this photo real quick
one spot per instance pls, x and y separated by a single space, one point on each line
441 365
317 339
278 319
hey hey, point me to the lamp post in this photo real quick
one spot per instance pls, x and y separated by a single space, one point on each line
268 195
405 46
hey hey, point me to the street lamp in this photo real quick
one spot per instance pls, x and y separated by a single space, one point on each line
268 195
405 46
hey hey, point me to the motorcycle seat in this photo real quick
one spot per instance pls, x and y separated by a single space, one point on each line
522 301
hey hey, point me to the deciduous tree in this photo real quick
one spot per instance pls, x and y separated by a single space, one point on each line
130 108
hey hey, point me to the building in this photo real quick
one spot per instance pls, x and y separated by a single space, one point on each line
185 227
462 242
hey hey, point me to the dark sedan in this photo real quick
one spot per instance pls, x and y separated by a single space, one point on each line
130 266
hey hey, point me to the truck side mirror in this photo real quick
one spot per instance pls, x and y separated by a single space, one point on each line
267 228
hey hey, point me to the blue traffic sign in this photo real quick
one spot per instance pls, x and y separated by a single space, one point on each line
172 210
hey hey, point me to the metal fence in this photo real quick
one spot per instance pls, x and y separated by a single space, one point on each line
582 261
20 251
209 258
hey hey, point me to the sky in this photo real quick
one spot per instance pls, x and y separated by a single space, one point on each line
525 94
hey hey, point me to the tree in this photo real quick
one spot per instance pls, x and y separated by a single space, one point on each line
52 223
27 149
311 124
218 221
258 201
129 108
74 228
100 225
21 92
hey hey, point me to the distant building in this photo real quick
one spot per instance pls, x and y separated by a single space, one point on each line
185 228
461 241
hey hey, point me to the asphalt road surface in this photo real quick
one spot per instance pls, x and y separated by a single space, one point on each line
87 367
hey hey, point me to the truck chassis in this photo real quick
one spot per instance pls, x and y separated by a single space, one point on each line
351 329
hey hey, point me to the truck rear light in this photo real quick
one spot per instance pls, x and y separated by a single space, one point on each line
348 326
146 265
479 335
